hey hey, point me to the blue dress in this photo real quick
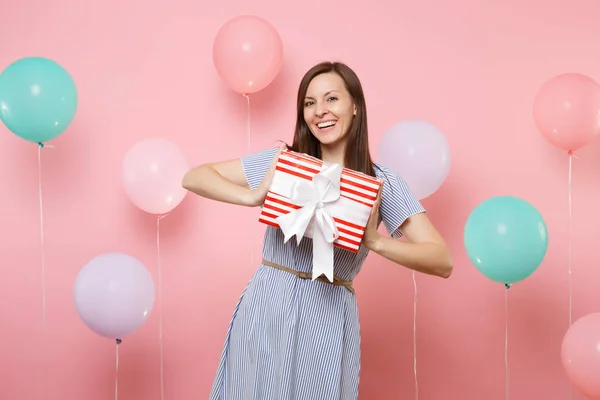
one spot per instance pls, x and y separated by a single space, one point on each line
293 338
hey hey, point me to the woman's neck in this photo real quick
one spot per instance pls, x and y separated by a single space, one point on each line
333 154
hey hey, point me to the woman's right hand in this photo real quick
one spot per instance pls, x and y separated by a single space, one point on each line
258 195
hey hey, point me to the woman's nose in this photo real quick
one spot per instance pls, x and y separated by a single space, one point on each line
320 111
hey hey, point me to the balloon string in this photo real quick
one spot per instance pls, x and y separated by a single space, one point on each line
506 341
569 190
117 369
570 242
415 336
248 150
42 264
160 333
248 122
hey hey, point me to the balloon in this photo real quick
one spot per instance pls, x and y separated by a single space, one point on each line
152 172
418 152
114 295
566 110
38 99
580 355
506 239
247 53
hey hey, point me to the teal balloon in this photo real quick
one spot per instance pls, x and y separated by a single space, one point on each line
506 239
38 99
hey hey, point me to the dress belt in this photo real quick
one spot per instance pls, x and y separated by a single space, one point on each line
305 275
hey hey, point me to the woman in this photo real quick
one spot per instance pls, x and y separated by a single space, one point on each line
292 337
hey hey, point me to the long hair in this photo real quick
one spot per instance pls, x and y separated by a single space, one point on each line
357 155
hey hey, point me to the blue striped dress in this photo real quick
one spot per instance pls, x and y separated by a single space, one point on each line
293 338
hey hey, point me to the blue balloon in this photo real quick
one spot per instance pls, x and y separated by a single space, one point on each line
38 99
506 239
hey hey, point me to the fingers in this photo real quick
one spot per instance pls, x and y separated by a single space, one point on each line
266 182
378 198
282 146
276 157
375 208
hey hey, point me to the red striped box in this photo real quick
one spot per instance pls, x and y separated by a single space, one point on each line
350 212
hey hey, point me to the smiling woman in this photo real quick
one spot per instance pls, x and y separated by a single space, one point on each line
290 336
331 122
328 111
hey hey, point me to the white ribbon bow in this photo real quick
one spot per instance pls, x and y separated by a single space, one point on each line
313 196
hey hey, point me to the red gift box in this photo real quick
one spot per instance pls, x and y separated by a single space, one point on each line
348 202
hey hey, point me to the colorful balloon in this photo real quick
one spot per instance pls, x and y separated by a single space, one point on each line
152 172
506 239
417 151
580 355
566 110
114 295
38 99
247 53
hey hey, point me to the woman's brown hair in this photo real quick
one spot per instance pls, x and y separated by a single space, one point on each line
357 156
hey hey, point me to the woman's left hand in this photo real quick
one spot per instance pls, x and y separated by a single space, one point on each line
371 235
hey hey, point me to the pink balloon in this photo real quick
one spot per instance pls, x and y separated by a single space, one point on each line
152 173
419 153
567 110
580 355
248 54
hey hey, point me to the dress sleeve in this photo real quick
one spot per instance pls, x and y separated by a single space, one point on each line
397 203
256 166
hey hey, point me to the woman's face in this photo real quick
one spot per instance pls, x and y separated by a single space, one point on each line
328 109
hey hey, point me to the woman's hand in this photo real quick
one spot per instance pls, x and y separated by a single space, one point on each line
371 236
258 195
424 249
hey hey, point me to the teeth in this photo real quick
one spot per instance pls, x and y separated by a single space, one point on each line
326 124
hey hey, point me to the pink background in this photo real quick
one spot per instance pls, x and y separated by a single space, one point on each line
145 69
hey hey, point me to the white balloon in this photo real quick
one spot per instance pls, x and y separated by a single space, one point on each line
419 153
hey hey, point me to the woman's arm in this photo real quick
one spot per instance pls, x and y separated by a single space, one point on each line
225 181
222 181
424 251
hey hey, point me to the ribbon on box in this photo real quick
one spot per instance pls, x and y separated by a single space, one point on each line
312 197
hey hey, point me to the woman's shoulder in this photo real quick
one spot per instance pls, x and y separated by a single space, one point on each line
394 185
397 200
264 152
385 173
259 159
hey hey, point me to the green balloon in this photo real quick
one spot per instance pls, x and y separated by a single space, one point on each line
38 99
506 239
